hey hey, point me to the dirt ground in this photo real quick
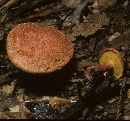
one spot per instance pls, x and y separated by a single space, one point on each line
92 26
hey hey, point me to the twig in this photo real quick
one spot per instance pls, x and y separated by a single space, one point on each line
9 4
121 100
4 77
4 9
2 2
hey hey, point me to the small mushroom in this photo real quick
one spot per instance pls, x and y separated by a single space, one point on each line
37 49
109 58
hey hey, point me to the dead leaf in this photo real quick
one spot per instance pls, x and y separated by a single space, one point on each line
91 24
106 3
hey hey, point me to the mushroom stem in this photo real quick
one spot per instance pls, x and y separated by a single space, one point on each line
110 61
100 68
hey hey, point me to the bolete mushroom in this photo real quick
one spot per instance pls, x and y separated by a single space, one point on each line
109 58
37 49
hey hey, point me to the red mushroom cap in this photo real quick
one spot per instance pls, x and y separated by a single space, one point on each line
37 49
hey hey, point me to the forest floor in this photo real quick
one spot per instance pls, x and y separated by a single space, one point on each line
62 94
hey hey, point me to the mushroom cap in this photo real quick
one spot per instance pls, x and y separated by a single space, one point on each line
113 58
37 49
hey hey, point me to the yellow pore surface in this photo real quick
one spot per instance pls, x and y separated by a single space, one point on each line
112 57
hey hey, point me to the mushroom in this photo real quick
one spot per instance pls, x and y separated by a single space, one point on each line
110 58
37 49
